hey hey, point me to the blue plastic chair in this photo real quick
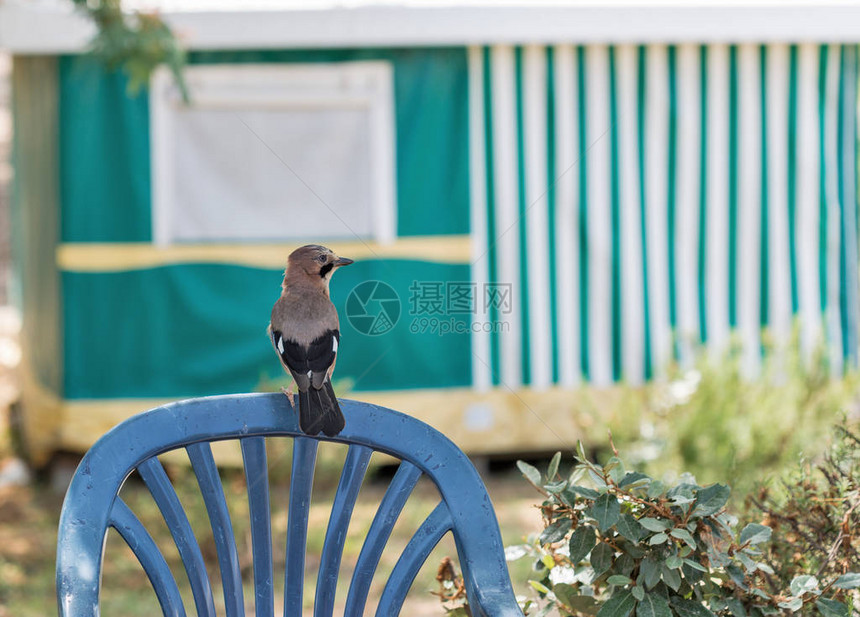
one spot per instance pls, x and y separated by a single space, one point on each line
92 505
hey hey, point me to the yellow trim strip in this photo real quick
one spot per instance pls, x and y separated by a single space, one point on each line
113 257
492 422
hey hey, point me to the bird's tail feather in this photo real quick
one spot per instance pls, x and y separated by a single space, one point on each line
319 411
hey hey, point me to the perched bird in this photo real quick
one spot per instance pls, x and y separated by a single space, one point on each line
305 332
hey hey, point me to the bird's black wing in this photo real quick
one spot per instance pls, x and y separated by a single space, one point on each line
312 361
323 350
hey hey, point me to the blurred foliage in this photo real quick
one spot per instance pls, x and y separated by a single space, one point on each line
617 542
723 422
815 512
135 42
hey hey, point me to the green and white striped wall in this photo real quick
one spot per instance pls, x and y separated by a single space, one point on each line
643 199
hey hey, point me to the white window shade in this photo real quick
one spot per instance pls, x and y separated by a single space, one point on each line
274 153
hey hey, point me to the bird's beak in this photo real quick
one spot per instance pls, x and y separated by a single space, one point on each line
342 261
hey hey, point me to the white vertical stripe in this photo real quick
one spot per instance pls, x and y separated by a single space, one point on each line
163 172
779 272
537 205
633 326
688 181
481 361
807 225
717 226
566 206
505 174
656 176
599 215
831 178
748 261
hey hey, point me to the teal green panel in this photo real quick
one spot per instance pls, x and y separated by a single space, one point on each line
431 103
104 136
198 329
415 353
104 155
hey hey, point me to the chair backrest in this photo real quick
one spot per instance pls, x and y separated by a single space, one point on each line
92 506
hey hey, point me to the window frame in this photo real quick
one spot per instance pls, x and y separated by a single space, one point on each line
346 85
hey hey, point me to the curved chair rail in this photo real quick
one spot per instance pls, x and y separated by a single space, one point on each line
92 506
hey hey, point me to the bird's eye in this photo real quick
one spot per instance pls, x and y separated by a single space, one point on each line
321 259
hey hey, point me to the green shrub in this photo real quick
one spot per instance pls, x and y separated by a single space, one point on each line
723 425
617 542
815 514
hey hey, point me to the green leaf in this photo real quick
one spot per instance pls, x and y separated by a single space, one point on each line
711 499
601 558
619 605
556 531
831 608
636 551
691 575
736 607
539 587
674 562
695 565
691 608
606 511
581 543
638 592
747 562
755 534
849 580
619 579
655 489
580 452
530 472
624 564
615 469
588 493
568 496
553 466
654 524
555 487
737 576
658 538
629 527
650 570
582 604
571 597
760 594
653 605
792 604
671 577
596 478
636 478
686 536
803 584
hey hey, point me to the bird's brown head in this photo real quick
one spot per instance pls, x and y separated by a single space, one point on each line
313 264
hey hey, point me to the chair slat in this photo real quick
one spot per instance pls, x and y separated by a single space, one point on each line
301 484
377 536
204 467
165 497
141 543
436 525
351 478
257 479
